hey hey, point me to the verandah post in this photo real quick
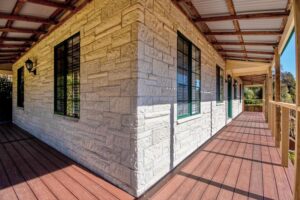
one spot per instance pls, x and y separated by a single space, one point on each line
284 144
277 98
296 7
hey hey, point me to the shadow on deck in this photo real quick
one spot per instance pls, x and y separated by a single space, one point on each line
240 162
29 169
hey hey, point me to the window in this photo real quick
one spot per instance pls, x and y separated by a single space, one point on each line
67 77
188 78
235 89
220 84
240 93
20 89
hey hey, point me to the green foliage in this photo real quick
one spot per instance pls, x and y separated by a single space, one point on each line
288 87
253 93
292 156
253 102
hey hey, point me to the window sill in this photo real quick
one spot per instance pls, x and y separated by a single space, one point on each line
58 116
183 120
20 108
220 103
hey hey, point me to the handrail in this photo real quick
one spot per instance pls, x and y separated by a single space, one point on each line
285 105
279 123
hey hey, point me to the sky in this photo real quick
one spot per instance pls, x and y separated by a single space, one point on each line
288 57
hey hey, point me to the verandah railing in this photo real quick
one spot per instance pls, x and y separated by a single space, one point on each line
283 128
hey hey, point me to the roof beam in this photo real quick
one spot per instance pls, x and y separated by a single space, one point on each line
248 58
244 17
20 30
246 43
26 18
51 4
246 33
17 39
242 51
230 7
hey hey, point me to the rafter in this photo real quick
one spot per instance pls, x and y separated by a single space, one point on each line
52 4
248 58
12 50
17 39
246 33
236 23
26 18
14 45
247 43
20 30
243 16
243 51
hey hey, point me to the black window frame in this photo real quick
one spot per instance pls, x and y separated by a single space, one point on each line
240 93
67 66
235 84
20 87
191 90
219 84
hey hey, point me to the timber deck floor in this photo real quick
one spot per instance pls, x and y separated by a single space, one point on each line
241 162
29 169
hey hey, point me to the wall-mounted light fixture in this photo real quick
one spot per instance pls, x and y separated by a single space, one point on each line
228 79
29 66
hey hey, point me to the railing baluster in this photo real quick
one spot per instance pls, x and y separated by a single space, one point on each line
277 126
284 144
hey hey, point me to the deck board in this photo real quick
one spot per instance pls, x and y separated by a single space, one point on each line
240 162
30 169
245 164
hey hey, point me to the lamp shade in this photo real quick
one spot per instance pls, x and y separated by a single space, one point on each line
29 65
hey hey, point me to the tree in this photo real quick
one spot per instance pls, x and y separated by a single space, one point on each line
288 87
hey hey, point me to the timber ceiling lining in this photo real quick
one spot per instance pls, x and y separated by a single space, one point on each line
24 22
240 29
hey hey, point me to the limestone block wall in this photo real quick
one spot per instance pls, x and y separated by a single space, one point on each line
128 130
102 139
163 141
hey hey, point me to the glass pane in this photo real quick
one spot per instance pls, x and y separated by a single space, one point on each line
186 62
195 66
186 48
195 93
196 80
182 108
195 53
180 44
179 59
182 76
221 88
195 107
182 93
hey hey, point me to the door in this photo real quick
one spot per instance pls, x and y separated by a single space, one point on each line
229 95
5 99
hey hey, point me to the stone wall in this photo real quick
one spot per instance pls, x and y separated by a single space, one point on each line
162 140
128 131
102 138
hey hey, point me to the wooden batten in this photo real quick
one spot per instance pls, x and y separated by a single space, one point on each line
246 43
244 17
246 33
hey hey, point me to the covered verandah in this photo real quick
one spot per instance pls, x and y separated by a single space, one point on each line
247 159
